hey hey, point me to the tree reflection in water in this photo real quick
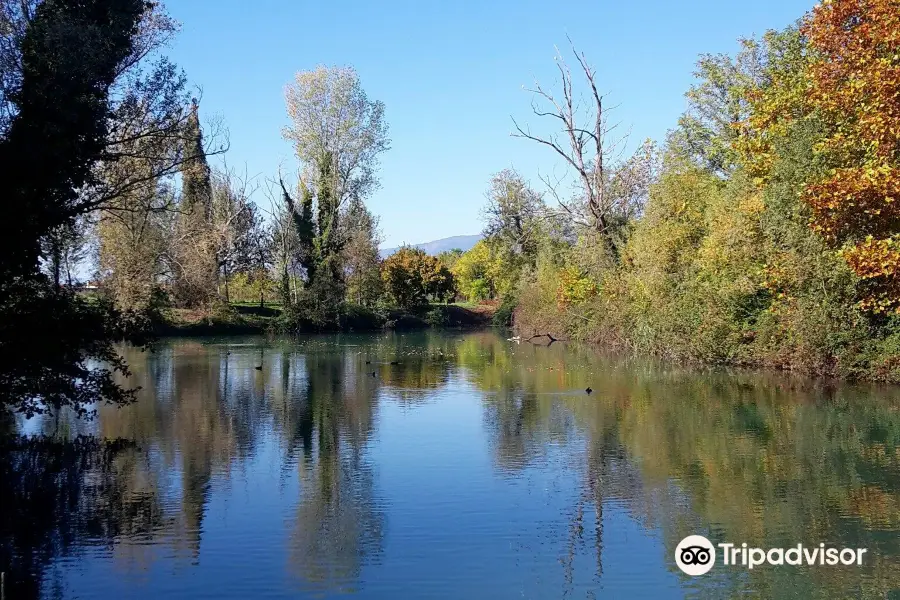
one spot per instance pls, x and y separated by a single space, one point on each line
324 405
57 496
767 459
763 458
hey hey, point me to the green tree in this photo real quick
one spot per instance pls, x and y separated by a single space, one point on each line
362 260
196 242
65 249
196 176
70 55
338 134
448 258
482 273
514 214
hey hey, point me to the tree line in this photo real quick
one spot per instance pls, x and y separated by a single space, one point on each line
764 230
314 250
121 178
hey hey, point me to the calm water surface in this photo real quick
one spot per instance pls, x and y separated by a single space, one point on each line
472 468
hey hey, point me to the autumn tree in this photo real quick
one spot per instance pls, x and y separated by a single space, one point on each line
411 276
854 88
441 286
707 132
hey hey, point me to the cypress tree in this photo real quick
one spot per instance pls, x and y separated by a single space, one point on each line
195 172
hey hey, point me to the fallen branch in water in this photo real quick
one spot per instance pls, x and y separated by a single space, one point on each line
546 335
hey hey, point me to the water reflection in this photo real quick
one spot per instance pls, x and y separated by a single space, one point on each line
307 472
58 496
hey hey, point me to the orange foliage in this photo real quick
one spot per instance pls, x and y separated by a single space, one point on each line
854 87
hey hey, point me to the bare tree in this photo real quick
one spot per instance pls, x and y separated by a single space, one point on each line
133 235
585 145
235 224
284 241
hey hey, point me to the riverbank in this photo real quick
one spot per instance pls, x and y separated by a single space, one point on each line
242 319
839 351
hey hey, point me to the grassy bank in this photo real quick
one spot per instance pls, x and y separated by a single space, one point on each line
243 318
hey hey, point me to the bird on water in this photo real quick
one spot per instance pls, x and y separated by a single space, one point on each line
588 391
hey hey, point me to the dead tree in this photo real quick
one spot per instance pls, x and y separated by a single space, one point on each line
586 148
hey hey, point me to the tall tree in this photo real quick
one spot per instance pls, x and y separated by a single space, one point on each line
854 88
333 121
195 172
338 134
237 229
586 147
133 235
84 92
285 244
49 147
513 213
195 243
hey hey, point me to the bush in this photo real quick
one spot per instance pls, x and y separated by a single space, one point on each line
360 318
503 317
437 317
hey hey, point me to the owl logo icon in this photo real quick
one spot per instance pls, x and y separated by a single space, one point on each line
695 555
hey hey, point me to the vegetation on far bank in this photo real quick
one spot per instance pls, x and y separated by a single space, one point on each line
765 229
246 318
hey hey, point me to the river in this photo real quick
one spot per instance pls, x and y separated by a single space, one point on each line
449 465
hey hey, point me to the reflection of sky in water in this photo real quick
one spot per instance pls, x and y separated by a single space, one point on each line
471 469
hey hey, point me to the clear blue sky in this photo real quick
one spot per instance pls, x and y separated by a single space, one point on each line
450 73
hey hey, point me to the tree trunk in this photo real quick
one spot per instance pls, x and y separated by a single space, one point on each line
225 270
68 271
56 262
285 288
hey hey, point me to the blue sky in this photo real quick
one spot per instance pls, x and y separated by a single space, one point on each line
450 74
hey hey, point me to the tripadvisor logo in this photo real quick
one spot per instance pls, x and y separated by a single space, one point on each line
696 555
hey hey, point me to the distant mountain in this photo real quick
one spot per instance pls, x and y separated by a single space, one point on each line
463 242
